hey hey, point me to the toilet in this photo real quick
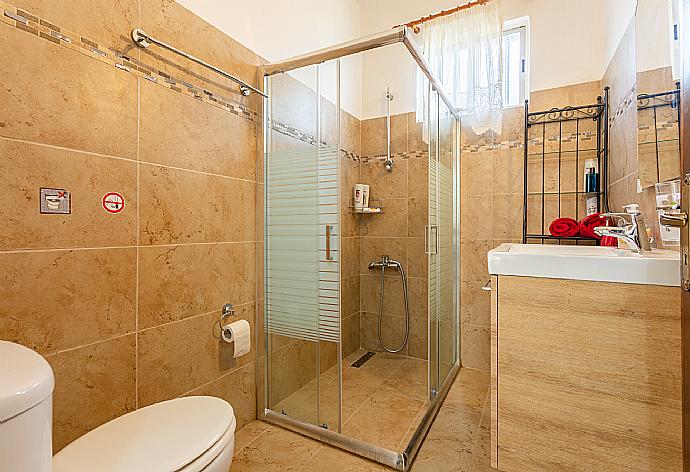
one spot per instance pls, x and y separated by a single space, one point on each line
190 434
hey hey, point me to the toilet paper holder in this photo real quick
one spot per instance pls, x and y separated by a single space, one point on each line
226 311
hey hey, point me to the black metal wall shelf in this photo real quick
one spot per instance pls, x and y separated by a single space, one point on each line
561 121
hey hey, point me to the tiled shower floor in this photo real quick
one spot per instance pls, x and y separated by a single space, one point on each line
383 400
457 442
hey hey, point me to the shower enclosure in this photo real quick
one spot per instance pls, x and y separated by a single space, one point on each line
323 323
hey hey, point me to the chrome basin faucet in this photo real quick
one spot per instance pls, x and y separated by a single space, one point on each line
633 231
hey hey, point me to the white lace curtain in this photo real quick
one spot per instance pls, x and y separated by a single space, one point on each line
464 50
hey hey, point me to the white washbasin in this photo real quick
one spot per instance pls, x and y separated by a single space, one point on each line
603 264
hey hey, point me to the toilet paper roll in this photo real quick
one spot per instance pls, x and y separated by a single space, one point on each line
239 334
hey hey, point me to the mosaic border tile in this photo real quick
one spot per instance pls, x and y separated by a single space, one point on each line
627 100
32 24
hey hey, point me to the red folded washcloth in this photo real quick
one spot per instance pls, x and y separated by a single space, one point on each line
590 222
564 227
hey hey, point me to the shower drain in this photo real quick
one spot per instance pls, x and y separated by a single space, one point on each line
360 362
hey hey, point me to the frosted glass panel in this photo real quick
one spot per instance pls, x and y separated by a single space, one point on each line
302 219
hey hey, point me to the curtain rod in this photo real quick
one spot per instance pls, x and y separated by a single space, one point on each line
415 24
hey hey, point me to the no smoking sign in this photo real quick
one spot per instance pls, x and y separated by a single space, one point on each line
113 202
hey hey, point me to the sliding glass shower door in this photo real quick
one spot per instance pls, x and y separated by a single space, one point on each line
302 245
442 242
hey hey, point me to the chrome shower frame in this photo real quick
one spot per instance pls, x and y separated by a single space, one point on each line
395 459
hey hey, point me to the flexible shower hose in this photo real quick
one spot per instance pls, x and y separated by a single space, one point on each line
407 310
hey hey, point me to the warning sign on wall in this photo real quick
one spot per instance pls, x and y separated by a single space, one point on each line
113 202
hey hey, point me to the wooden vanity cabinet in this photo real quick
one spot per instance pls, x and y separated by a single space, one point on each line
585 376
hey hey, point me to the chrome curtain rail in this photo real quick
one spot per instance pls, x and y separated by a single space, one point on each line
143 40
339 50
400 34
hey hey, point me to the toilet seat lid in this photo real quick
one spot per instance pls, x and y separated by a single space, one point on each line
26 379
162 437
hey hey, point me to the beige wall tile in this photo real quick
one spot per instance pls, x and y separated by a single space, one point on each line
384 184
474 264
476 216
177 282
291 368
572 95
417 259
507 216
476 173
655 80
350 296
418 177
293 103
418 289
238 389
180 131
476 347
415 141
93 384
476 304
350 132
507 175
393 222
417 216
178 357
370 290
418 343
351 334
28 167
373 248
183 207
107 22
373 137
174 24
349 261
83 297
52 98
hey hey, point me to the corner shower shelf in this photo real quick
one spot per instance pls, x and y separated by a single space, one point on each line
370 210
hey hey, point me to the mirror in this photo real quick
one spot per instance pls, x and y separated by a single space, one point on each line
658 92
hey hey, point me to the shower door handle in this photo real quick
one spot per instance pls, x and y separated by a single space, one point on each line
431 234
329 228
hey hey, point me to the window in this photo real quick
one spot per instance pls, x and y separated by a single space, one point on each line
514 67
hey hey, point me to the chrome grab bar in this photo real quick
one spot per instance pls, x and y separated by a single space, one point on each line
143 40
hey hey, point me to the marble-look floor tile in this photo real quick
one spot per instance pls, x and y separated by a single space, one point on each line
330 458
468 392
249 434
383 420
411 380
276 450
448 446
481 451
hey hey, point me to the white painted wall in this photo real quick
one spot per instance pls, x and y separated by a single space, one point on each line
570 41
566 45
279 29
653 33
617 16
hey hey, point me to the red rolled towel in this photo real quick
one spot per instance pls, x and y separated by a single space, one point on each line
564 227
590 222
609 241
